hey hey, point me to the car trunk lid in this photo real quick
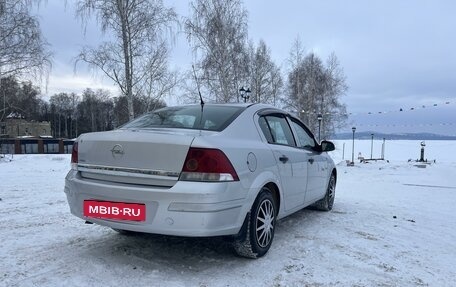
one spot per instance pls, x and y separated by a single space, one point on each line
146 157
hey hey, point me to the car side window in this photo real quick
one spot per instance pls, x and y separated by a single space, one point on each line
304 137
276 130
265 129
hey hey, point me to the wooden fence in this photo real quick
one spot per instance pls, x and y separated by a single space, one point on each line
35 145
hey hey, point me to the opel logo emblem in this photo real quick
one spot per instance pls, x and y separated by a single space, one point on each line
117 151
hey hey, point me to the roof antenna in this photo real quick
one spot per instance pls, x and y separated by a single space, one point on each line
197 85
199 92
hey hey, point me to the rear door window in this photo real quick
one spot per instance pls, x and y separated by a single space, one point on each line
276 130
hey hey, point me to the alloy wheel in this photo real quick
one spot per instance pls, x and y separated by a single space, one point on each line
265 223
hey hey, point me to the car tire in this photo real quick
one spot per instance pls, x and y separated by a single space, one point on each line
257 232
327 202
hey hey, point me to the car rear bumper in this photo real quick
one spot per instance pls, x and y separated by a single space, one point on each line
186 209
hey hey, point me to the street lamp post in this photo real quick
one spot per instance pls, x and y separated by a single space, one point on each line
245 93
353 146
319 118
372 143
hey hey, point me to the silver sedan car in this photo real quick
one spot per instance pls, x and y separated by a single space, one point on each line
202 170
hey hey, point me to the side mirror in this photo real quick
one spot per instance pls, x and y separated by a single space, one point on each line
327 146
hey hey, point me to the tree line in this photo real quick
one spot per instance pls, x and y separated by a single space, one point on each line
69 114
224 58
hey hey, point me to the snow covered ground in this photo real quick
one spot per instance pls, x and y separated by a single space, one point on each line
393 224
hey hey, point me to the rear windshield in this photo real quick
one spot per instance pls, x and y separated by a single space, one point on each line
215 118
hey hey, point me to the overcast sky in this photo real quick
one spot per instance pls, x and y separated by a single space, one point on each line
395 54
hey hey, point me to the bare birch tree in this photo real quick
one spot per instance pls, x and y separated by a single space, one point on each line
315 89
294 86
140 47
265 77
23 50
159 83
333 111
276 85
217 32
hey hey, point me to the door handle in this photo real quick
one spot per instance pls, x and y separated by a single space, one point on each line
311 160
283 158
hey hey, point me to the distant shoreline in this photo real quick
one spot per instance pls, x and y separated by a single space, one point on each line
377 136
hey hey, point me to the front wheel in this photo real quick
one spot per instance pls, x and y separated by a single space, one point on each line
257 232
327 202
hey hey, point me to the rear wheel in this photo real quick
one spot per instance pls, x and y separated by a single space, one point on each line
327 202
257 232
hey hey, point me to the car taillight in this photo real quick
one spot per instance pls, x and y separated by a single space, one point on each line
203 164
74 156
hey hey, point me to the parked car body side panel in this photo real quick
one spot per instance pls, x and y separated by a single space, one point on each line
238 151
238 140
310 170
318 177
